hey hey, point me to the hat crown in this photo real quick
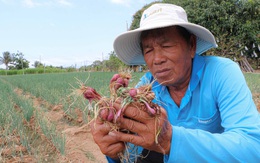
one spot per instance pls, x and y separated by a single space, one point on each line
163 13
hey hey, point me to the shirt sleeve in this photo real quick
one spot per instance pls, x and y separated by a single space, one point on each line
130 155
110 160
240 141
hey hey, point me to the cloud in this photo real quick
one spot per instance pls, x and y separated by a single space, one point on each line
8 2
31 3
130 3
122 2
64 2
36 3
5 1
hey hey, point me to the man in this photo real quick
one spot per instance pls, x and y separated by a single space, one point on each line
207 110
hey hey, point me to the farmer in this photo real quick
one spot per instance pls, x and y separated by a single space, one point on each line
207 110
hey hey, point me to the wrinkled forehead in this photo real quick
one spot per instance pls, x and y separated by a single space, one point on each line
162 34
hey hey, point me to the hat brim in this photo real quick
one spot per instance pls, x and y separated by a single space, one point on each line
127 45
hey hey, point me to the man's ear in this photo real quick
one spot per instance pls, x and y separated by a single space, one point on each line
193 44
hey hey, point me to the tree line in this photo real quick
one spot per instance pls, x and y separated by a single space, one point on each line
14 60
113 64
17 61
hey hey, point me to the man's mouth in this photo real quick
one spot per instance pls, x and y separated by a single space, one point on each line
162 73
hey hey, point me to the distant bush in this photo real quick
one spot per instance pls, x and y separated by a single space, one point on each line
2 72
34 71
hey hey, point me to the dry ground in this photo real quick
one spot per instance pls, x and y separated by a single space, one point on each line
80 147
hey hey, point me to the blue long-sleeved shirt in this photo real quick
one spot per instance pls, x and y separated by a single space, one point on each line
217 120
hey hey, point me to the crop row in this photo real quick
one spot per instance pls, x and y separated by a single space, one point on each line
21 119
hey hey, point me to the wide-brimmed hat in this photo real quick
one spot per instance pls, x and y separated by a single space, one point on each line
159 15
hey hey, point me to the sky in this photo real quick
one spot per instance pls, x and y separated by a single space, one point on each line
64 32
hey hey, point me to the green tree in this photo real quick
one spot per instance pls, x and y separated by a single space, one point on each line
6 59
114 63
20 62
37 64
97 65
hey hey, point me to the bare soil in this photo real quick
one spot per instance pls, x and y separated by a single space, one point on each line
80 147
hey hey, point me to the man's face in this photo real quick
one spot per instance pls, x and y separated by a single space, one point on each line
168 55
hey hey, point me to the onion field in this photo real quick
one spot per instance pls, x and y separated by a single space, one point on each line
40 120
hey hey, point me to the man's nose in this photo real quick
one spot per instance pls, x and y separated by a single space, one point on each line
159 58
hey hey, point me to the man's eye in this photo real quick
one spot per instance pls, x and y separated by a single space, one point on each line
167 46
147 51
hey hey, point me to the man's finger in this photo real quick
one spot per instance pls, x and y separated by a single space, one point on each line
132 111
132 125
114 149
98 126
131 138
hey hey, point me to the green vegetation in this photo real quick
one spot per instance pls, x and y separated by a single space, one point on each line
21 118
17 139
40 70
253 81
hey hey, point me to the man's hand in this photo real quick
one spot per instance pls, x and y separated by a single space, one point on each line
152 133
109 145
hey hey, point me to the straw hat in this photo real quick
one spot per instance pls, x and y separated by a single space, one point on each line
127 45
